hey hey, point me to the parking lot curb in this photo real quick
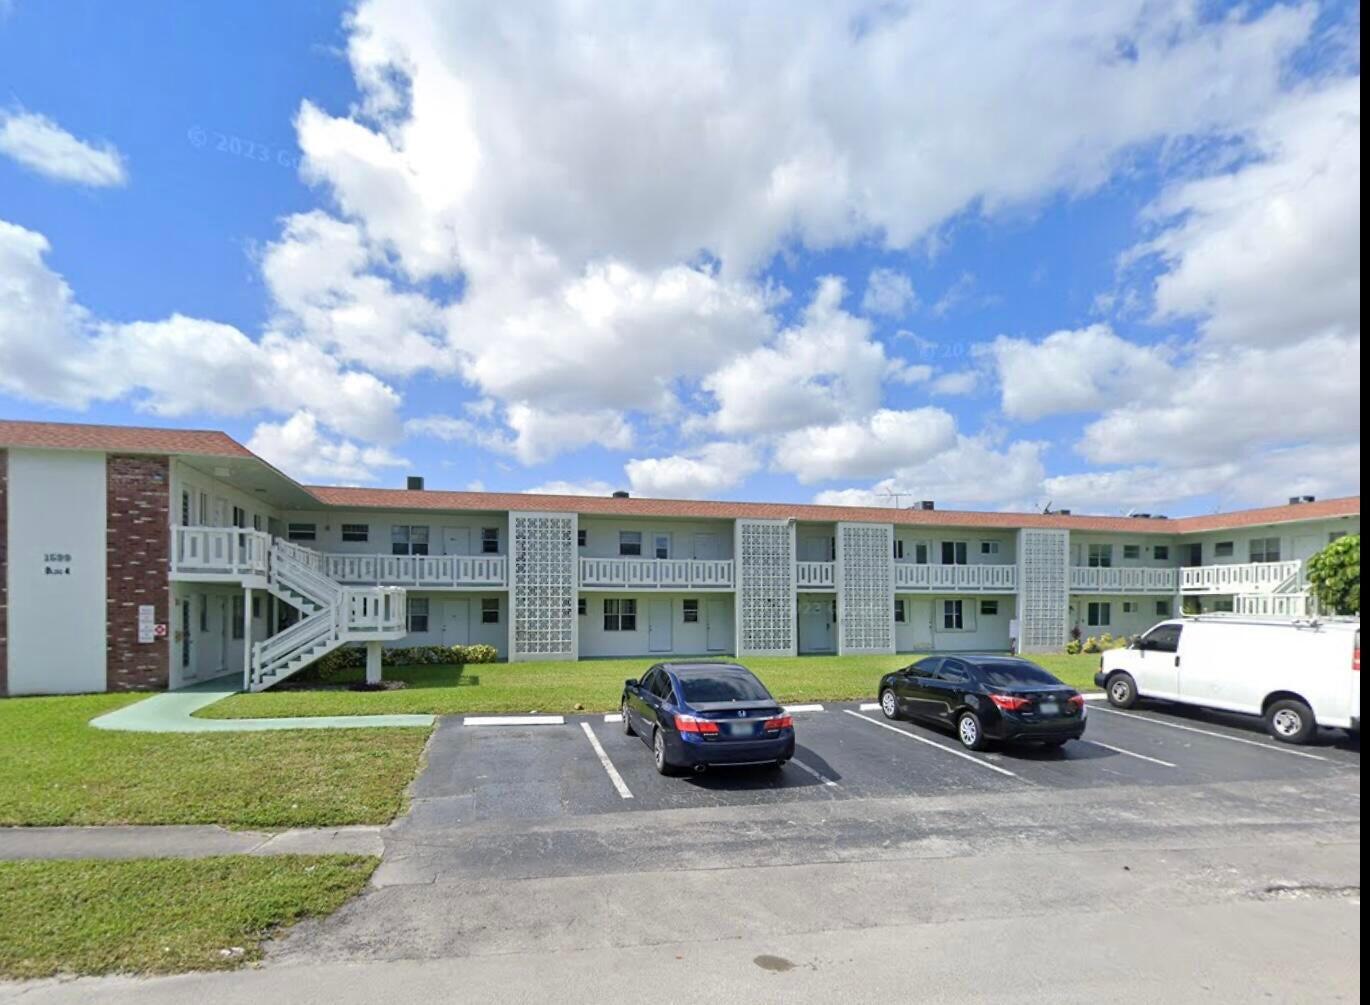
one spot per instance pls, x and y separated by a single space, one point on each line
514 720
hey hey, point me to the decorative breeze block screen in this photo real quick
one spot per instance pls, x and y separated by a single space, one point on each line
543 585
1043 590
865 588
765 587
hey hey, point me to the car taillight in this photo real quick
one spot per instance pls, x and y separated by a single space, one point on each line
779 722
1078 700
1010 702
694 724
1355 660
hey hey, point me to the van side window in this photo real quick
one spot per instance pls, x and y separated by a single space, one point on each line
1164 639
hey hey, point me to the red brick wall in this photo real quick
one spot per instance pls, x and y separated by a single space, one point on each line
138 550
4 571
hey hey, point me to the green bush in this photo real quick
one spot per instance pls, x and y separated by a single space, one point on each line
1091 645
1074 647
339 662
480 653
1334 576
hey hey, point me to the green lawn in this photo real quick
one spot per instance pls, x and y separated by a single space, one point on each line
56 769
153 916
593 685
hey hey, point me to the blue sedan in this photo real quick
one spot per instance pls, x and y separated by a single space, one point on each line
694 715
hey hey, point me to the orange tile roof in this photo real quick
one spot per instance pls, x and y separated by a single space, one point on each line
118 439
135 439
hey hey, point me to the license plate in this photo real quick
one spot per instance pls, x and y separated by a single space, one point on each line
741 728
1048 708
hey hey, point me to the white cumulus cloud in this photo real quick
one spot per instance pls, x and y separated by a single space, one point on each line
41 145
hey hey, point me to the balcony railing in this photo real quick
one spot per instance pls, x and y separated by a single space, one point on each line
914 577
435 571
220 552
1254 577
815 575
657 573
1135 580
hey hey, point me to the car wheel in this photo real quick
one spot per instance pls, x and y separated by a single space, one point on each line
970 732
1290 721
627 723
889 704
663 766
1122 690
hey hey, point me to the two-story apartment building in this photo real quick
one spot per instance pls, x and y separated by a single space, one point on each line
143 558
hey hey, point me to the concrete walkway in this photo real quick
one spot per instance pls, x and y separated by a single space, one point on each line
173 712
182 842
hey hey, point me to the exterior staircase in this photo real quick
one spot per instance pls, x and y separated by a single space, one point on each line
1290 598
331 615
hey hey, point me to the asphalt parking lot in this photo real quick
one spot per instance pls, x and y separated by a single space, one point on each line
587 765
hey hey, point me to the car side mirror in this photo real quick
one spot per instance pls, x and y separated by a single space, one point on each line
630 683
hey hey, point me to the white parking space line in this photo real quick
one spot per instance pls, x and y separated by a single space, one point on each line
870 706
946 750
514 720
813 771
1221 736
1129 753
803 708
613 717
609 768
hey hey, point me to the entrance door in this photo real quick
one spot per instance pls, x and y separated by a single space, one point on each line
456 622
659 626
716 629
456 540
815 626
920 622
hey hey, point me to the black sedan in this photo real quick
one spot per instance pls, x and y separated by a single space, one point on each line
986 698
694 715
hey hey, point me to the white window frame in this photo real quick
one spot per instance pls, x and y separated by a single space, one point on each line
1267 555
1132 553
489 606
900 612
657 548
1163 608
1099 614
989 547
620 614
630 539
989 608
960 552
355 533
898 550
1100 556
954 616
406 532
1161 552
689 611
416 609
489 540
301 531
1225 549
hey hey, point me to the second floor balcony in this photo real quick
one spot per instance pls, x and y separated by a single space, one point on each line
914 577
1245 578
656 573
419 571
1157 580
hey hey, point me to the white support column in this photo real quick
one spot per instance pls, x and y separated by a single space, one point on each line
864 581
1043 590
765 599
543 586
373 662
247 638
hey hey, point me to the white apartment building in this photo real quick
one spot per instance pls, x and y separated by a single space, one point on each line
144 558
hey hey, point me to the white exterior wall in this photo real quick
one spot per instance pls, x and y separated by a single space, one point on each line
213 650
601 537
1080 542
716 617
922 630
57 619
455 619
1297 540
1122 622
815 542
212 500
328 527
934 536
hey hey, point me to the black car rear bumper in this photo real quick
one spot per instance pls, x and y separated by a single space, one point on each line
1013 728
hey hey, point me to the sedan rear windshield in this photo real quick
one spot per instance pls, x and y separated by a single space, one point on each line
703 689
1016 675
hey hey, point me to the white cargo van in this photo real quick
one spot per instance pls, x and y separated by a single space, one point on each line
1296 673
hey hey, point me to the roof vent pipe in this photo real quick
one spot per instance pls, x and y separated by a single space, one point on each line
620 494
415 483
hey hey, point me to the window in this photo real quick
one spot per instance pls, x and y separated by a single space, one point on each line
1223 605
185 509
989 547
489 611
256 607
1224 549
582 607
920 553
582 538
418 614
689 612
1161 552
489 540
989 608
954 553
1100 615
1129 607
620 615
239 607
1163 639
408 540
953 615
899 612
1163 608
301 531
1132 551
356 533
1265 549
661 546
239 516
204 613
204 519
660 684
185 633
256 521
629 542
954 672
1006 674
1101 556
898 550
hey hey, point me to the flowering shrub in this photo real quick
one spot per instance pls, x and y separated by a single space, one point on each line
353 657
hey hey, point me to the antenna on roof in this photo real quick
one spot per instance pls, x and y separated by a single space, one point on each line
895 497
1046 510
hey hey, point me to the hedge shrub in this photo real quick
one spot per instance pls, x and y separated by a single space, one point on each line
353 657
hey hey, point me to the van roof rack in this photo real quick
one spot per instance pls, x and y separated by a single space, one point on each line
1232 617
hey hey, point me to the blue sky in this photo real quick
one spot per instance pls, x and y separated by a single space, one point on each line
1082 262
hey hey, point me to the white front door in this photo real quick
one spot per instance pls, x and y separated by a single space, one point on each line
456 622
920 621
708 547
659 626
716 631
815 626
456 540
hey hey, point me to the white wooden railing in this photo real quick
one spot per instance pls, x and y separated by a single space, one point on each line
1134 580
1254 577
230 552
657 573
418 570
912 576
815 575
